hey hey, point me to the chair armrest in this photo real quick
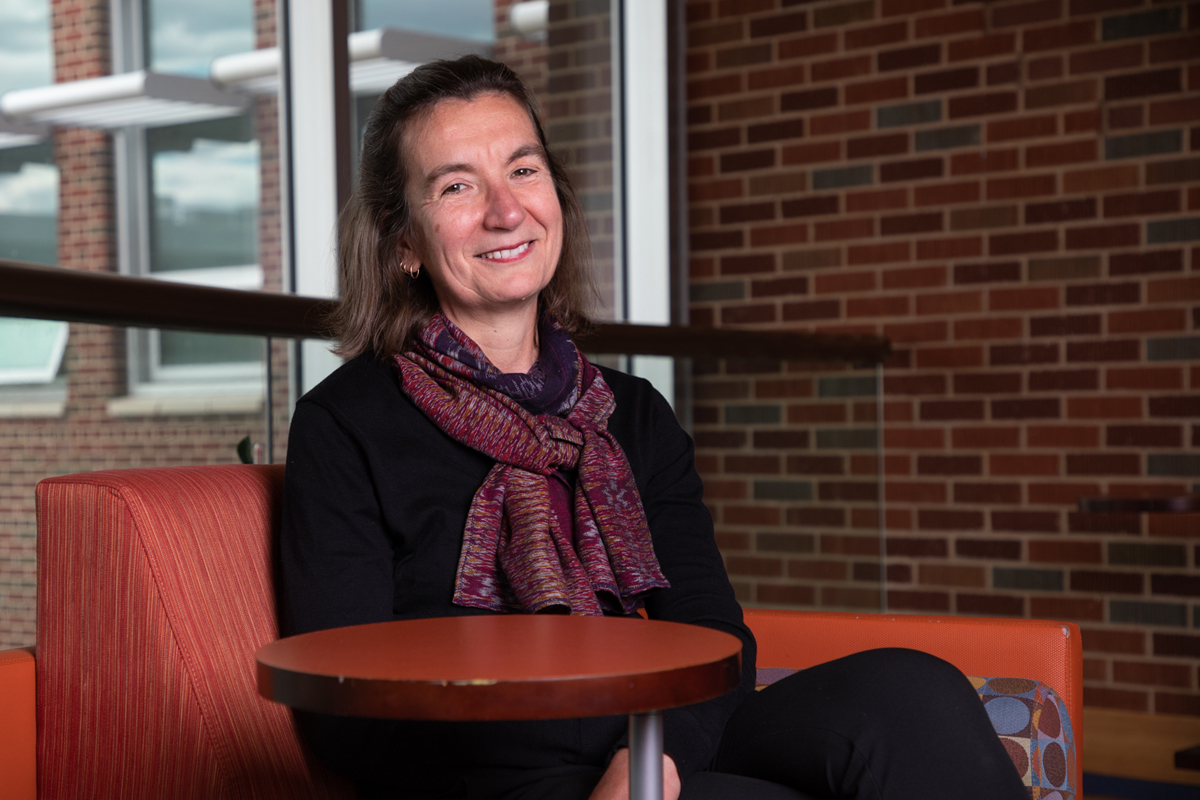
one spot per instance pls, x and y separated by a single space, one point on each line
18 724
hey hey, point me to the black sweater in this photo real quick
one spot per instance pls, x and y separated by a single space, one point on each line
375 501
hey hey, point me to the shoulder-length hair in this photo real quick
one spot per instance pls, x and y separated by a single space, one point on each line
381 306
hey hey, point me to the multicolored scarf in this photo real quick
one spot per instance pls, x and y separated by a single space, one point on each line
531 542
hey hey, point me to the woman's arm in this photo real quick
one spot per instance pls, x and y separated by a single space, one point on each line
336 557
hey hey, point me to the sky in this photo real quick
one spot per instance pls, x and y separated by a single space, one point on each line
460 19
212 176
25 52
186 35
32 190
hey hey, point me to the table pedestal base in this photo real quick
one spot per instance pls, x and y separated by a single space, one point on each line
645 756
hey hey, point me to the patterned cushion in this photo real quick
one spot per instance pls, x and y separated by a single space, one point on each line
1035 728
1032 722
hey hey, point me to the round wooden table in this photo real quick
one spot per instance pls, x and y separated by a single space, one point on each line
508 667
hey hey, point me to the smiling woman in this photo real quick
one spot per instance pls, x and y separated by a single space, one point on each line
468 459
380 230
486 221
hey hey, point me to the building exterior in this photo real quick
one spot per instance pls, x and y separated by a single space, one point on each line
1009 190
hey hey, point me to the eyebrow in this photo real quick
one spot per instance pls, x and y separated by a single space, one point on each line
524 151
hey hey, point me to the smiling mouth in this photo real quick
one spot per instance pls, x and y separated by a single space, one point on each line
500 255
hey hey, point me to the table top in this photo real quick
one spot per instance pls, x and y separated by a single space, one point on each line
1179 504
500 667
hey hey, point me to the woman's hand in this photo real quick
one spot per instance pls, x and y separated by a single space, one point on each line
614 785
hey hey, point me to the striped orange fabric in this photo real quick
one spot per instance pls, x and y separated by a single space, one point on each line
155 589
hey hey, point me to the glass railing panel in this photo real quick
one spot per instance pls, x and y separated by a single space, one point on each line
79 398
568 65
788 453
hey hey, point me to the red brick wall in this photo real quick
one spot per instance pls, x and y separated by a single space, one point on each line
1011 192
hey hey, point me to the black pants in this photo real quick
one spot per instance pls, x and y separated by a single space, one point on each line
882 725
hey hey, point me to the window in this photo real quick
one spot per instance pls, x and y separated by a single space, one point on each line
30 350
28 176
204 180
190 205
462 20
26 59
458 19
183 37
33 350
29 204
204 186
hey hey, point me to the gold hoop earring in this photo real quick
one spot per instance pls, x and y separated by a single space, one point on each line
414 271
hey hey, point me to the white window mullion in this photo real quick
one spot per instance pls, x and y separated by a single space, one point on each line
644 250
319 184
646 170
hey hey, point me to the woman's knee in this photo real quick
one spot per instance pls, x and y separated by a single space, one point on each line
895 669
900 662
886 687
909 682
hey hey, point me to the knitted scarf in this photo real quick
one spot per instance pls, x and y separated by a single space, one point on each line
531 543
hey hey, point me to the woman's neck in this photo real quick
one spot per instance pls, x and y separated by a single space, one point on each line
510 342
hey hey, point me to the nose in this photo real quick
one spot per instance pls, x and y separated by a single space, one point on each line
504 211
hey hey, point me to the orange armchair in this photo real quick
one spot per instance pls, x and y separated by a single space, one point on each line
155 587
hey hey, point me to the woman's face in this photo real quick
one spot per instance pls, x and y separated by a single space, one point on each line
486 221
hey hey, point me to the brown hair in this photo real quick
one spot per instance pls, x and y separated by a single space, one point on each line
381 306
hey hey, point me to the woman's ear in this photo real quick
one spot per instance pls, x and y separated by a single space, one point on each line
410 261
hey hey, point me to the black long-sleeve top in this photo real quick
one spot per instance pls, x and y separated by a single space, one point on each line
375 502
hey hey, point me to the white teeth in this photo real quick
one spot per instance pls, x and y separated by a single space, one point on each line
516 251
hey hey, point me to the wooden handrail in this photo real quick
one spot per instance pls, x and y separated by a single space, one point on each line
689 341
40 292
30 290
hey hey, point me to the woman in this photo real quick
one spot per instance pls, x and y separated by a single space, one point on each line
467 459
